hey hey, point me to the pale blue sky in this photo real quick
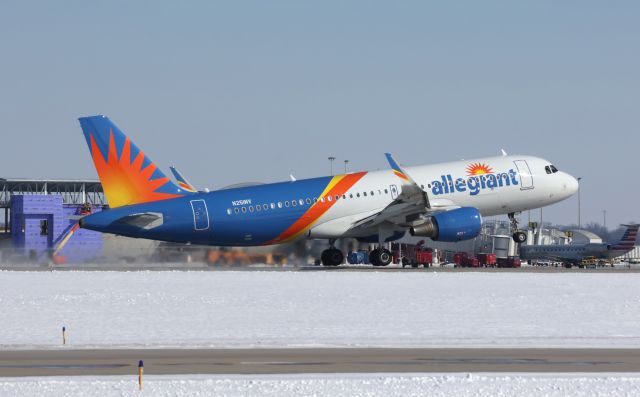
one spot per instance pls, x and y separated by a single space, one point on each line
253 91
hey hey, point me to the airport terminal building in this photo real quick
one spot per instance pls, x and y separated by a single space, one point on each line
37 214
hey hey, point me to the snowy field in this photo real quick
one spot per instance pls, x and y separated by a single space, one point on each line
465 385
276 309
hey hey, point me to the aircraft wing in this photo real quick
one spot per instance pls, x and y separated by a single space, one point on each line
411 204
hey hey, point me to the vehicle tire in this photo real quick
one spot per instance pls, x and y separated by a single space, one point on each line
374 257
519 237
385 257
332 257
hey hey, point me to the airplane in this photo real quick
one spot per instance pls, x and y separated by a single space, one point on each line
445 202
574 254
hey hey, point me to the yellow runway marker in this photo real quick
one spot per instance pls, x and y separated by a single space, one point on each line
140 372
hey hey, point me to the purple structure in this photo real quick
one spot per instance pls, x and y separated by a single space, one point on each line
39 222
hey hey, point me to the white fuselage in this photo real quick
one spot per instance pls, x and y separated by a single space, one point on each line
513 184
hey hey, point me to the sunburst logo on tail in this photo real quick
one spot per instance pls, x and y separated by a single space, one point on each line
125 182
478 169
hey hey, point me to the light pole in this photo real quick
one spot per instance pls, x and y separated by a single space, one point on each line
345 166
579 210
331 158
604 216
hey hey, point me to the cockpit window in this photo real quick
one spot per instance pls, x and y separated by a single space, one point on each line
553 168
547 169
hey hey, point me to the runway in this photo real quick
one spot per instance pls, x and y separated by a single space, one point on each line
201 267
321 360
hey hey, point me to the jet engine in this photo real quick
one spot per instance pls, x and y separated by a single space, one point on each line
451 226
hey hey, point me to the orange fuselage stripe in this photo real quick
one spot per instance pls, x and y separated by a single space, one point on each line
338 186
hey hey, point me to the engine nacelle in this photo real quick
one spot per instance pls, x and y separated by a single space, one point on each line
451 226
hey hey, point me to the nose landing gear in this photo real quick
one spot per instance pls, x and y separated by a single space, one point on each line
518 235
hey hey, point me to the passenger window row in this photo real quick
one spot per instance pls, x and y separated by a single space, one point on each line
301 202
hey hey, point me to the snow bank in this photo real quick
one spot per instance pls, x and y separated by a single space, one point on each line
467 385
244 309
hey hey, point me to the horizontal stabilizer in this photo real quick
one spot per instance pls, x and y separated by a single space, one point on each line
147 220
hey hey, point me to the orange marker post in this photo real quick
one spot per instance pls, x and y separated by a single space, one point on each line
64 335
140 372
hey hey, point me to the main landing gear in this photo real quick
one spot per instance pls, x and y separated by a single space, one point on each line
380 257
518 235
332 256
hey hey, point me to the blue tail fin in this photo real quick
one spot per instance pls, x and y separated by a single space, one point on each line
127 175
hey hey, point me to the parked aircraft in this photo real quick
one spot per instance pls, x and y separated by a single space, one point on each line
444 202
575 254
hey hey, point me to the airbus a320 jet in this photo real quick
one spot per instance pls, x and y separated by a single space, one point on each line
444 202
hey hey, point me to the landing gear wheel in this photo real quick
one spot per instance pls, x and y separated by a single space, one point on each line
374 257
384 257
332 257
519 237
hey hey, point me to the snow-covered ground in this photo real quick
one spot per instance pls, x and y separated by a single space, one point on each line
244 309
459 385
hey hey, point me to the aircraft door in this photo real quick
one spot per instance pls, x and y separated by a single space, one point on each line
394 191
526 179
200 215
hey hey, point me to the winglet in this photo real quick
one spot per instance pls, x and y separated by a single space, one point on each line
398 170
407 179
182 181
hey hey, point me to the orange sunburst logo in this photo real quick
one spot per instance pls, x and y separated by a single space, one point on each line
478 169
125 182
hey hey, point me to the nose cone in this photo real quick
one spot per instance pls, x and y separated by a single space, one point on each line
570 185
